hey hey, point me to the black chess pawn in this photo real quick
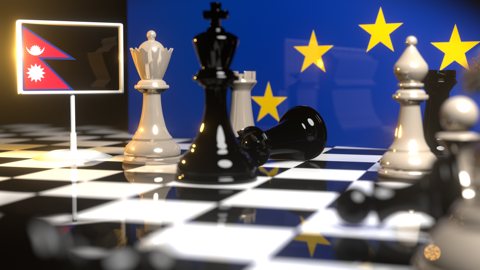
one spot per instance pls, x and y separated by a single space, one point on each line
215 155
432 195
300 135
438 85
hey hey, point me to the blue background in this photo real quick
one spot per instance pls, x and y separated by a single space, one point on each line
353 96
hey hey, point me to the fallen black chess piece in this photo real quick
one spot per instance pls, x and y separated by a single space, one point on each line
432 195
300 135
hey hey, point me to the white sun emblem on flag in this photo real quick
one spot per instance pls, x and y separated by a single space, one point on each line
35 50
35 73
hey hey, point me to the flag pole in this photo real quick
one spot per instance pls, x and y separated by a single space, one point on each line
73 156
73 133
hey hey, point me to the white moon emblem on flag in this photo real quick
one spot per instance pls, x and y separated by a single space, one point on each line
35 50
35 73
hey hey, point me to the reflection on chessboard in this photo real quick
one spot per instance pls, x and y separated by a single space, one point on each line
284 219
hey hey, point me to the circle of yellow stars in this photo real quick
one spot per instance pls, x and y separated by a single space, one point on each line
380 32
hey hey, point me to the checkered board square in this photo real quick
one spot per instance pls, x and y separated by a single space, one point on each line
285 219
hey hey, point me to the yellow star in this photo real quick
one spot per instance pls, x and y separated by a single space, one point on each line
313 53
268 103
455 49
312 240
380 31
270 173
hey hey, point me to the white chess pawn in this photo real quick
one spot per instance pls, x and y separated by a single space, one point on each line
241 115
152 142
409 157
457 115
461 228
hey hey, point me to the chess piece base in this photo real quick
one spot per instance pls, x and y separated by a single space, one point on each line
215 157
152 152
420 163
409 156
399 175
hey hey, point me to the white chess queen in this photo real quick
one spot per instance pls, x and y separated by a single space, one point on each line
152 143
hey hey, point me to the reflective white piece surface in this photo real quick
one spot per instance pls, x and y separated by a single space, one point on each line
152 142
409 157
241 115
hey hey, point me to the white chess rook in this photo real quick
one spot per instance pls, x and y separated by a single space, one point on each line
241 115
152 142
409 157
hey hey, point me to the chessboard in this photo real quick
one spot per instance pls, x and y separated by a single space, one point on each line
285 219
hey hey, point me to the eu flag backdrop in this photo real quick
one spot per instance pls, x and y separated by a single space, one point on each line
353 44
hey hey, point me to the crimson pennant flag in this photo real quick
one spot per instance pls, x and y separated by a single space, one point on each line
37 74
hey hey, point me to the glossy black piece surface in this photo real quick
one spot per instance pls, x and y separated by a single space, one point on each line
300 135
215 156
432 195
438 85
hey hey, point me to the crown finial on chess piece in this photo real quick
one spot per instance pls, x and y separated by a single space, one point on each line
151 35
411 68
215 14
215 47
412 40
151 61
151 44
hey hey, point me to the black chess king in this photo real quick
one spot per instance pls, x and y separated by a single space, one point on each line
215 156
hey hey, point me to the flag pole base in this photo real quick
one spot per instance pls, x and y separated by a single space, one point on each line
78 158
